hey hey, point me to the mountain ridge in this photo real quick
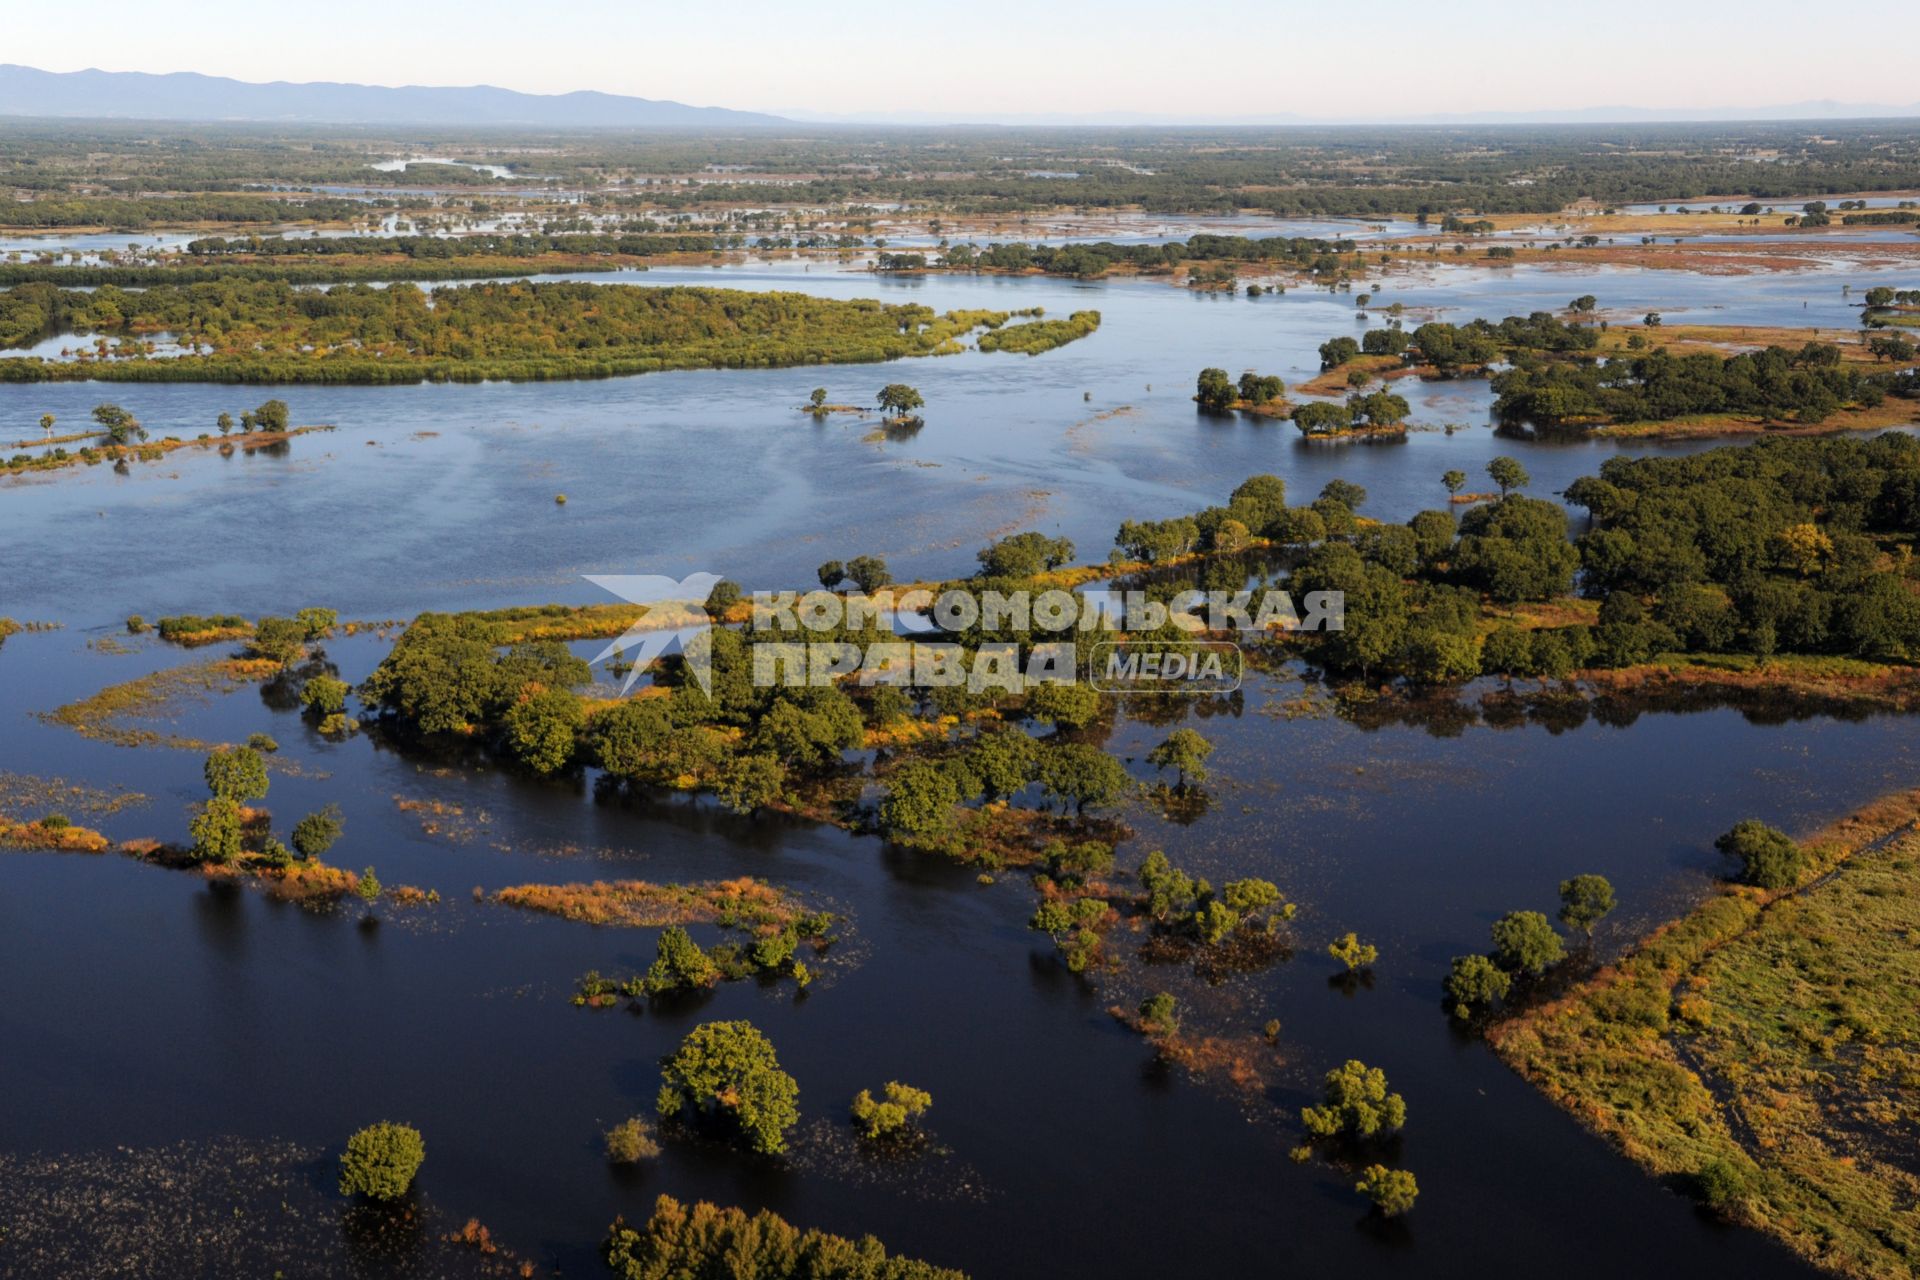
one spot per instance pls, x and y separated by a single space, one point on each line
192 96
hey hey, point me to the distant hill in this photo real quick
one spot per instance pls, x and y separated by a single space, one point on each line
187 95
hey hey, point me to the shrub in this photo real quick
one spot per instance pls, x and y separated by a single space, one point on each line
631 1141
380 1161
1525 942
680 964
1721 1184
1160 1015
1392 1191
1585 901
729 1067
277 639
1768 858
1475 981
314 834
705 1240
1357 1104
237 774
324 696
891 1116
1352 952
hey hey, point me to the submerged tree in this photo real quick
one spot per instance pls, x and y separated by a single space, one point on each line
729 1069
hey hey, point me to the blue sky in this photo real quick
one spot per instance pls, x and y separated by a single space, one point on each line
992 59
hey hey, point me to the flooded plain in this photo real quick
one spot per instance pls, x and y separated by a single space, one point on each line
148 1008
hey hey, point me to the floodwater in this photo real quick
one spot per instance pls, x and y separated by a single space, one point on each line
145 1007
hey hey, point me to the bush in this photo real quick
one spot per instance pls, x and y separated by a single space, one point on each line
1474 982
1352 952
1768 858
705 1240
1357 1104
1392 1191
1160 1015
314 834
380 1161
324 696
890 1118
631 1141
1525 942
680 964
729 1067
1721 1184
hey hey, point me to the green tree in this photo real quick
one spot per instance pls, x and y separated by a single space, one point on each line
1215 391
1508 474
869 573
1584 901
1024 555
316 833
730 1069
631 1141
1525 942
1352 952
893 1114
1768 858
1357 1104
750 781
1392 1191
1184 751
724 595
920 800
1069 705
899 399
540 730
1160 1015
225 423
381 1160
817 398
121 427
1454 479
830 574
1080 775
1475 982
367 888
1003 762
280 640
272 416
679 964
216 830
238 774
324 695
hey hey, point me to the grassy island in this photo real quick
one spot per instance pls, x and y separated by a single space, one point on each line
265 331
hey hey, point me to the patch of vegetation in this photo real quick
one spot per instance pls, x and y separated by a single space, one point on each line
727 1072
1766 1047
705 1240
381 1160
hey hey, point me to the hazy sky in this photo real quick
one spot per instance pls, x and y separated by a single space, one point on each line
994 58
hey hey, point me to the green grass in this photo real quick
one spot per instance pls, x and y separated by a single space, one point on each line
1779 1038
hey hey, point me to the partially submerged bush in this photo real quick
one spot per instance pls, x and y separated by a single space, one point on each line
1392 1191
1358 1104
729 1068
1768 858
894 1114
631 1141
380 1161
